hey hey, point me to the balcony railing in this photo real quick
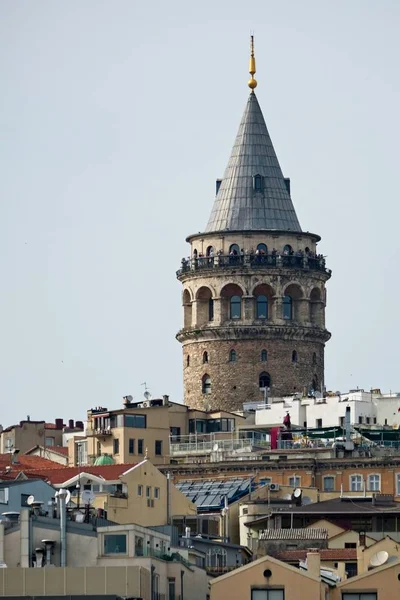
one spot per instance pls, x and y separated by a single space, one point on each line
262 261
98 432
196 446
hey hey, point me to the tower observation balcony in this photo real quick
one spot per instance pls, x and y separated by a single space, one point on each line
253 261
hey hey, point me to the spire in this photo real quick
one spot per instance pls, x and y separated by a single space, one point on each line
252 66
253 193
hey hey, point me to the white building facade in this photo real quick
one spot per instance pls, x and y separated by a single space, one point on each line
366 408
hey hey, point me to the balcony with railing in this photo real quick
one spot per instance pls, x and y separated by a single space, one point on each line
200 444
298 260
99 432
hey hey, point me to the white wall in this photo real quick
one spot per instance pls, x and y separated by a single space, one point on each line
387 409
277 412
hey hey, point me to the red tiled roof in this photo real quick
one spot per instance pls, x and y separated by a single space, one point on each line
25 464
63 450
336 554
59 474
50 426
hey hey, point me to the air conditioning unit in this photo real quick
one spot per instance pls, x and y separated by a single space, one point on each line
274 487
145 404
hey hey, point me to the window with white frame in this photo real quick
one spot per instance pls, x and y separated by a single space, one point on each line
3 495
294 481
356 483
374 482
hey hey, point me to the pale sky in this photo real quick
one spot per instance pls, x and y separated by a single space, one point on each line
117 117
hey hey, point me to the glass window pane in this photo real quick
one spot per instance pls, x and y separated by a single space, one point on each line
235 307
287 307
262 307
275 594
259 595
115 544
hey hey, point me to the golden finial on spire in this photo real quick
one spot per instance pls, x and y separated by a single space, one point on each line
252 66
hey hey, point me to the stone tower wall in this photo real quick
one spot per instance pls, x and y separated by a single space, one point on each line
233 383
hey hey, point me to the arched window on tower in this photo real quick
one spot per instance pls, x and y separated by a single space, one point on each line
234 249
262 248
205 357
211 309
287 249
294 357
206 384
232 356
264 356
262 307
264 380
287 308
315 385
235 309
210 251
314 358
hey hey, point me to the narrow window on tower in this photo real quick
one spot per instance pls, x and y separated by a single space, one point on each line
235 307
314 358
294 357
206 384
205 358
211 309
262 307
287 306
188 361
232 356
264 356
264 380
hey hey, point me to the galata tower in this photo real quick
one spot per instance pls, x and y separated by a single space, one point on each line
254 285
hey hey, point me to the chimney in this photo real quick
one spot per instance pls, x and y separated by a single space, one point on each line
314 562
361 539
24 528
59 424
71 423
347 422
165 400
361 566
79 425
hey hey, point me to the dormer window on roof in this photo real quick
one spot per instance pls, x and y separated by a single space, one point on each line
258 183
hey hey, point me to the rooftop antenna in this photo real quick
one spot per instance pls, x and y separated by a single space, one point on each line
252 66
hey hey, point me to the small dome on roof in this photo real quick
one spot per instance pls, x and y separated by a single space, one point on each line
104 459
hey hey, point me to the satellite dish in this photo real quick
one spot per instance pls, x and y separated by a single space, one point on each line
287 497
147 395
87 496
306 500
379 558
297 493
215 448
30 500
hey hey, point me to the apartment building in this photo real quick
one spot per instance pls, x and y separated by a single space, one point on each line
28 434
146 428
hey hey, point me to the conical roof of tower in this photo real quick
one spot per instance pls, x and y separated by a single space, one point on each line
238 205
